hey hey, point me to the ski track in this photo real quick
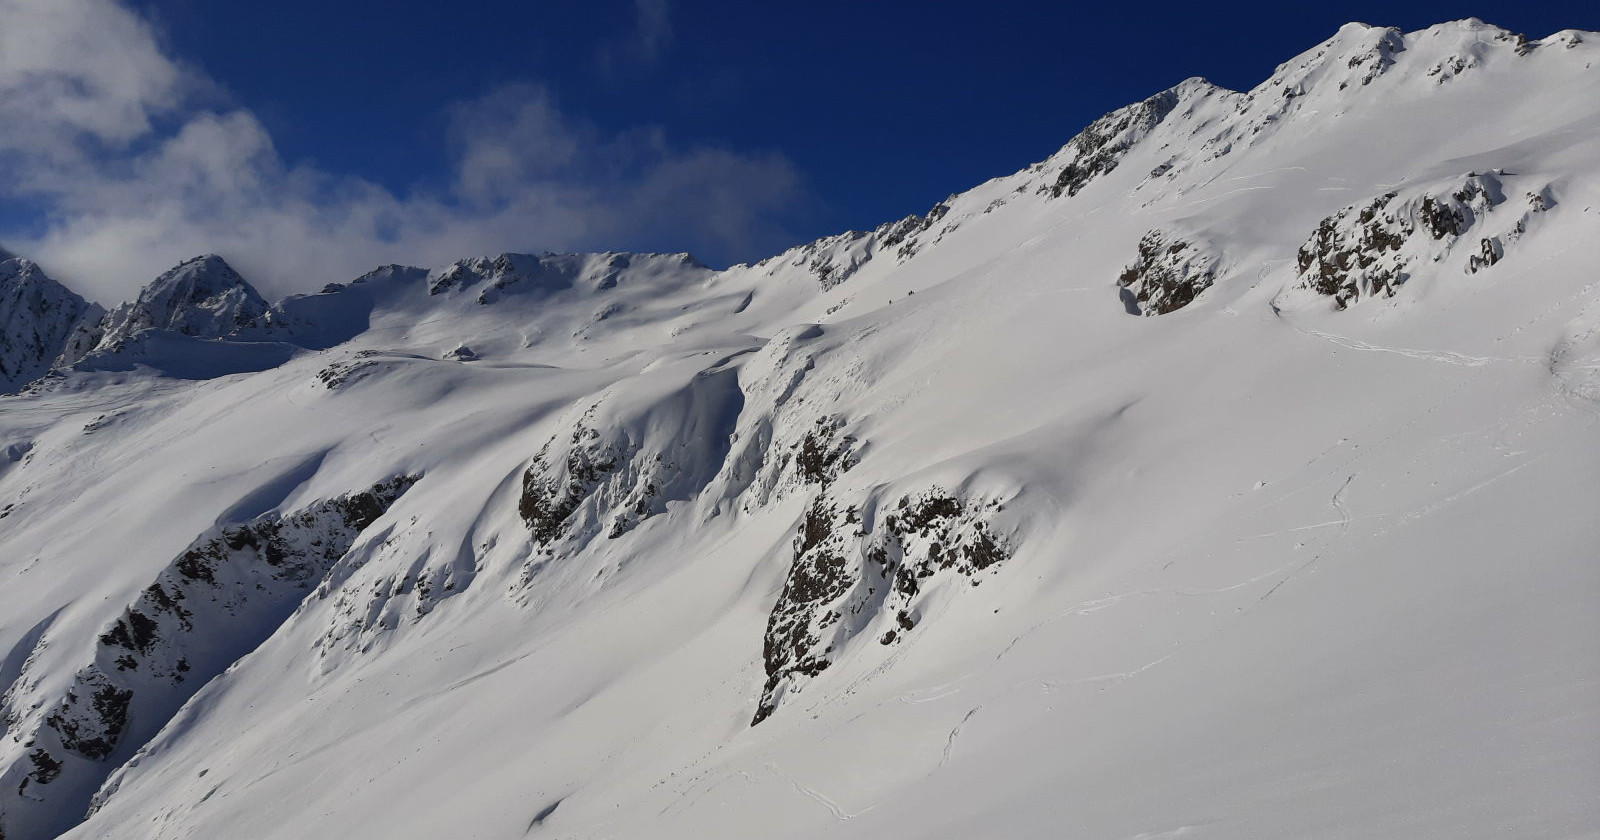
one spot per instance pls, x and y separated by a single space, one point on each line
1439 356
814 795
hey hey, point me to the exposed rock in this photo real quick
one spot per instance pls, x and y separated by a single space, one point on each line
202 297
620 461
494 277
1099 148
551 492
1168 274
832 260
846 582
1375 59
38 316
1370 250
823 454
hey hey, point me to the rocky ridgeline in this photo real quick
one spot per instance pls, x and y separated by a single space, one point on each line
1168 274
1099 148
203 298
1348 71
495 277
46 329
834 259
215 603
1370 250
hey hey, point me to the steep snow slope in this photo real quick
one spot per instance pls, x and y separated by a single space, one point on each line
908 533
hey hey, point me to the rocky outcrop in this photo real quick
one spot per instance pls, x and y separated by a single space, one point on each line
1169 272
865 572
216 602
1370 250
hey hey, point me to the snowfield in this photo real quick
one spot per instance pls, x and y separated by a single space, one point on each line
1233 473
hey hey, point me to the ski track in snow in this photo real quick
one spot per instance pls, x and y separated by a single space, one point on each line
1440 356
955 732
815 795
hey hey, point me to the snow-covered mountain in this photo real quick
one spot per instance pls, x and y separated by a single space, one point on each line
1230 473
37 317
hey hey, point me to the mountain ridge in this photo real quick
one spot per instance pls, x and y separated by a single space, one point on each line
912 531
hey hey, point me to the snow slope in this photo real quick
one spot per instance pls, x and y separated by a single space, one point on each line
916 532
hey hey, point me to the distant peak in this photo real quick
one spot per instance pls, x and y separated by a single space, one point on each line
1195 85
1468 23
205 262
205 276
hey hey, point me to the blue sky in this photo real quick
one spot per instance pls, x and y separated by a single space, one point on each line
301 139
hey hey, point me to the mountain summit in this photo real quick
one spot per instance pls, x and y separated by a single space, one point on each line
1229 473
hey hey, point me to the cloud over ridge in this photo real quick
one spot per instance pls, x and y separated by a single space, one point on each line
136 160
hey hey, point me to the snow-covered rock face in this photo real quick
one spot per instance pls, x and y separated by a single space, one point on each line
869 572
37 317
1102 145
905 532
833 260
203 297
623 458
512 273
216 601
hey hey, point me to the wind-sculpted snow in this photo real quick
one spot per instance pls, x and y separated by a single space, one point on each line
212 605
904 533
624 457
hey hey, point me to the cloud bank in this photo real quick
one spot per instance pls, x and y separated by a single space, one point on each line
137 162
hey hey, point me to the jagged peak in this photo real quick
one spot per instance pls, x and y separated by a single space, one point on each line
205 272
1466 24
1197 86
23 274
36 316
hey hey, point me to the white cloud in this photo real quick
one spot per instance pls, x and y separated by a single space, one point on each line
81 73
136 176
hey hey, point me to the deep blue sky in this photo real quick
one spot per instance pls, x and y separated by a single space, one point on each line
885 107
308 140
